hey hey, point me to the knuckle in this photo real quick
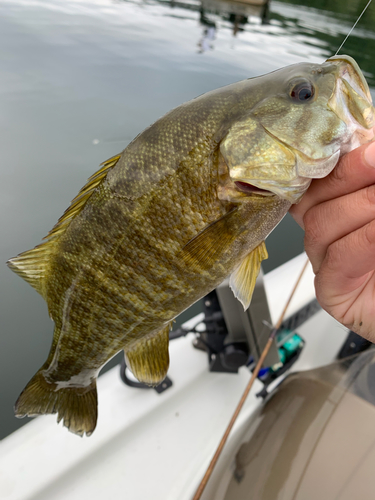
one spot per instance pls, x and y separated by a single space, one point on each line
369 235
369 193
335 255
320 295
331 254
313 229
338 174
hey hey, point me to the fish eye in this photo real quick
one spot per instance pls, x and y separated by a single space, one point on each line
302 91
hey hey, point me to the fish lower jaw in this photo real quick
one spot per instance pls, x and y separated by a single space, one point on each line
290 191
237 191
246 187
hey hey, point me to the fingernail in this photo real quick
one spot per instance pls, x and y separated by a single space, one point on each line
370 154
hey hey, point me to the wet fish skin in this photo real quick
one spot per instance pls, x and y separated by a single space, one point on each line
165 222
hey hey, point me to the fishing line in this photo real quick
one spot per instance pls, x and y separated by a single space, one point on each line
271 338
354 25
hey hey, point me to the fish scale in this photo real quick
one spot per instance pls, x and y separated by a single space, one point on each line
188 203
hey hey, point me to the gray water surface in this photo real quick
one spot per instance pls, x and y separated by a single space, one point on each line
79 79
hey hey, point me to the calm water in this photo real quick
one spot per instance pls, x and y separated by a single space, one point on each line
79 79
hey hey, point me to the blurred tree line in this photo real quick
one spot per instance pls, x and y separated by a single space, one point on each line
361 43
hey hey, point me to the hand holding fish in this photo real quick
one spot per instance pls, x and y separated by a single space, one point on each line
338 215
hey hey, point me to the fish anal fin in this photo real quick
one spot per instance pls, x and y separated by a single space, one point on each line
32 264
148 359
210 244
242 280
76 406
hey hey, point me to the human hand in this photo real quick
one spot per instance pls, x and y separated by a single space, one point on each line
338 215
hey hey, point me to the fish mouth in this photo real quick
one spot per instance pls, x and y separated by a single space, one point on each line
290 191
352 74
248 188
351 101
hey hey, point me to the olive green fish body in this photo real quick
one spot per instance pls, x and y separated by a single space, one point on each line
131 279
189 202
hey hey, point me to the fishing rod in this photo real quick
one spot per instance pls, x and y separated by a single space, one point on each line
267 347
271 338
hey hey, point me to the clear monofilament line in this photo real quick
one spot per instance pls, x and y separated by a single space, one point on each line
354 25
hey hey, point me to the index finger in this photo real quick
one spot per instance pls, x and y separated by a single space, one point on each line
354 171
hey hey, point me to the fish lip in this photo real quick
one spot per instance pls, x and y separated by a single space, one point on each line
351 101
343 62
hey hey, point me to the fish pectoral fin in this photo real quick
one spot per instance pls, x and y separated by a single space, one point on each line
211 243
242 280
149 358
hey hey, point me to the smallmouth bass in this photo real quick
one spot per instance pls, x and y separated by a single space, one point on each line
189 202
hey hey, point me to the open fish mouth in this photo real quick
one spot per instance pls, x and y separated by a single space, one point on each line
290 191
247 188
352 102
351 73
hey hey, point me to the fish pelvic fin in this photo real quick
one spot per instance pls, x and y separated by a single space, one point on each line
242 280
32 264
149 358
76 406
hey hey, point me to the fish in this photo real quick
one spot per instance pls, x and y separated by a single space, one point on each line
189 202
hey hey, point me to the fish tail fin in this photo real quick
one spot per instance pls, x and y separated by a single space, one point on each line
76 406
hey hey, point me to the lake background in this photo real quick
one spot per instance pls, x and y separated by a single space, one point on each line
80 79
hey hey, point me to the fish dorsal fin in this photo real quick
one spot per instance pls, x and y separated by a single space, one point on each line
149 358
31 265
242 280
80 200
